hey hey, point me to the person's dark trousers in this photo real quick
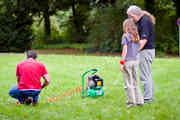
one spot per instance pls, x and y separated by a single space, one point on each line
22 95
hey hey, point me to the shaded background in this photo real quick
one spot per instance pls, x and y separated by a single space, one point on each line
88 25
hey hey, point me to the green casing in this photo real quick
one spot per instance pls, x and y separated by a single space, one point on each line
94 92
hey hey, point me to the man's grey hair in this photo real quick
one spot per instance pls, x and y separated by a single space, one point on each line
133 9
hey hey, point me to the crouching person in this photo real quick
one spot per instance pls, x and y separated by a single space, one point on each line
29 73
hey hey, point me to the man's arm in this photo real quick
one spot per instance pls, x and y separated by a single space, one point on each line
17 74
142 44
46 81
18 78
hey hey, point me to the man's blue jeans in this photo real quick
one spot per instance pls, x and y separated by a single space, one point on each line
22 95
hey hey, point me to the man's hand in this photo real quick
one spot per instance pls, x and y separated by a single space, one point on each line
46 81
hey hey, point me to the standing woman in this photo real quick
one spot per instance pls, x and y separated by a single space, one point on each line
145 24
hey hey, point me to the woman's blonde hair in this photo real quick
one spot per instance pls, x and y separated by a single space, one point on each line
130 27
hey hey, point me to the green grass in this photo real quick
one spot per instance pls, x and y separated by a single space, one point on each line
65 72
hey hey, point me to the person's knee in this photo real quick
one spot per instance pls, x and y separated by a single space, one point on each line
14 92
11 93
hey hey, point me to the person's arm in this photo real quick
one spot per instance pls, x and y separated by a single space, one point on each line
45 77
46 81
17 74
124 52
18 78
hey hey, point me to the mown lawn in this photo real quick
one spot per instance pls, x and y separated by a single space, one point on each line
65 72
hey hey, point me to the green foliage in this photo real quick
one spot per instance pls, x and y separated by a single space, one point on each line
98 22
166 28
38 31
76 23
15 30
67 31
46 9
106 26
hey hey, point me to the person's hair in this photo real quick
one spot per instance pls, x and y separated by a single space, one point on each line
135 10
130 27
31 54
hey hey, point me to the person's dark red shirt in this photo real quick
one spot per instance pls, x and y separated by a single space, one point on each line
30 72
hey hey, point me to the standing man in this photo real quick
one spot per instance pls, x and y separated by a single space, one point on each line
145 24
29 73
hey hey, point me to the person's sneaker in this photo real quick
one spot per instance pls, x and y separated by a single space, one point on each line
149 101
28 101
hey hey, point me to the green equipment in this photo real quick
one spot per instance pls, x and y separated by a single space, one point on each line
95 84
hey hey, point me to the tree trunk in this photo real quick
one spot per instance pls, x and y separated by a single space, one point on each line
47 26
47 22
149 5
78 24
75 20
177 5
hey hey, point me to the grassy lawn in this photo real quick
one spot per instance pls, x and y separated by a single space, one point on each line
65 72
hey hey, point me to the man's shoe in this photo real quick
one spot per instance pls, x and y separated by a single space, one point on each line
28 101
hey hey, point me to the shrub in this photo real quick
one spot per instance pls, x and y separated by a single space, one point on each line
13 36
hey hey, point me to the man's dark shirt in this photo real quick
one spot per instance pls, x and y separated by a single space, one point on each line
146 31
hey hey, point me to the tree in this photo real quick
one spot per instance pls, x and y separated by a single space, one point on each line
80 9
177 5
15 30
106 29
150 6
44 9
